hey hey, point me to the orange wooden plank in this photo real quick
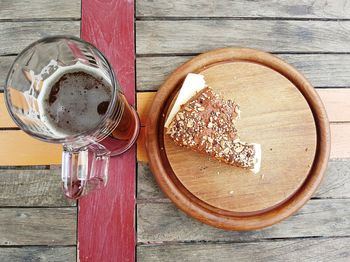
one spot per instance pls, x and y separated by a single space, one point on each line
141 150
19 149
336 101
144 102
5 119
340 135
340 142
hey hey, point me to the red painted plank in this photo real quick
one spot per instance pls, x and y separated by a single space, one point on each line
106 230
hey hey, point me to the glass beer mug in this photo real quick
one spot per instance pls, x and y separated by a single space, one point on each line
63 90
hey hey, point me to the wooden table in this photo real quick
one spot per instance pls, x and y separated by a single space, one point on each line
37 223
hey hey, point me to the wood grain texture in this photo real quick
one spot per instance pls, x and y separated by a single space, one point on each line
144 103
244 8
194 36
328 217
106 230
5 118
32 188
337 103
336 183
147 188
280 116
38 226
20 254
141 149
321 250
5 63
17 35
335 100
34 9
188 200
322 70
339 138
20 149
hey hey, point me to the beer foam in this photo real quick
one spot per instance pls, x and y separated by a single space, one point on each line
71 97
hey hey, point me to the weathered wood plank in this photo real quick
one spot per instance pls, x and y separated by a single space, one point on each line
336 183
107 218
328 217
5 63
244 8
194 36
141 148
5 119
38 226
57 254
337 103
151 72
19 149
321 250
34 152
147 188
17 35
322 70
34 9
335 100
32 188
144 103
340 140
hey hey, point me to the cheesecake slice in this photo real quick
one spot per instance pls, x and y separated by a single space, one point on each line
205 122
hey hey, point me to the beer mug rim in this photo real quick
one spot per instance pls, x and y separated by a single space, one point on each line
69 138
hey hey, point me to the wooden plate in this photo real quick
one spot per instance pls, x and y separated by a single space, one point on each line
280 110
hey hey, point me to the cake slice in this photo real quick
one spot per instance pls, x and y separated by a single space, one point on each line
205 122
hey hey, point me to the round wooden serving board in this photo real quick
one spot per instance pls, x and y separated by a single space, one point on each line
279 110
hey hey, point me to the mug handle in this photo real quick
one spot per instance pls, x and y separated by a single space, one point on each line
77 181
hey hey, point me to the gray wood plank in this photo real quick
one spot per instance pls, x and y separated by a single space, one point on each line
38 226
32 188
336 183
17 35
5 63
322 70
244 8
320 250
34 9
194 36
163 222
48 254
147 187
